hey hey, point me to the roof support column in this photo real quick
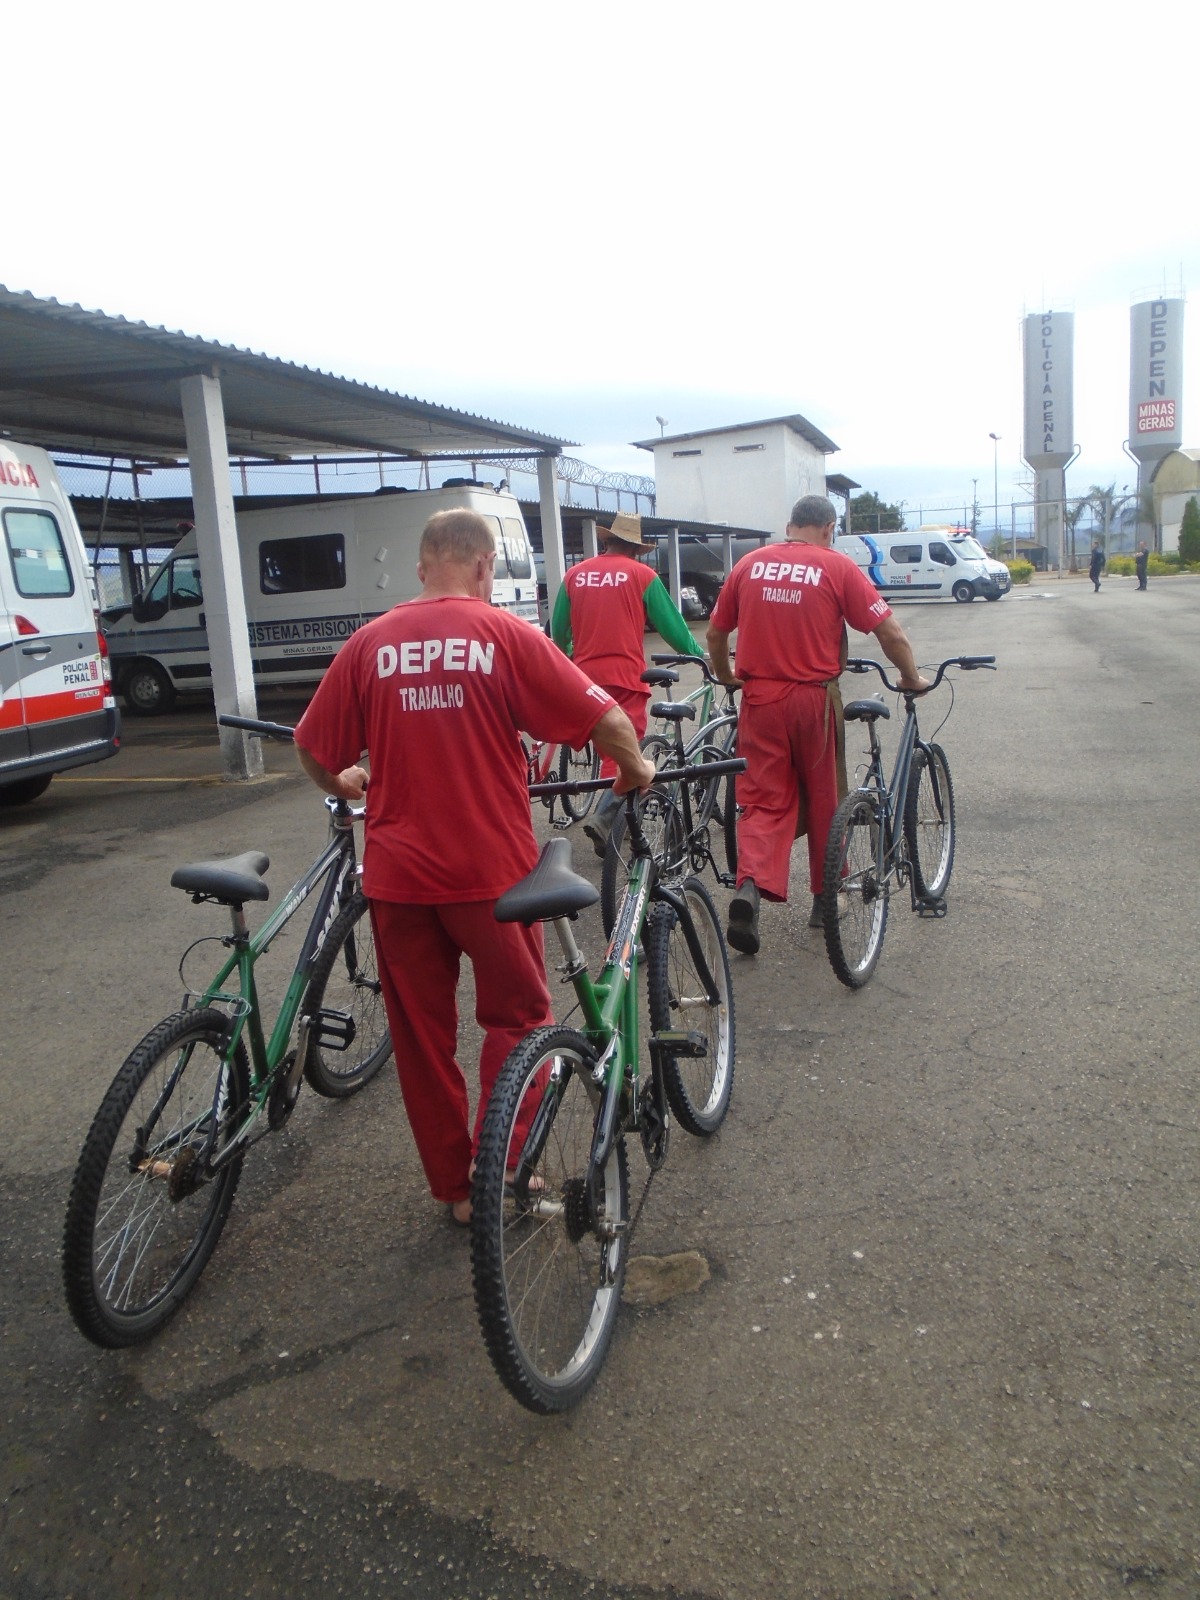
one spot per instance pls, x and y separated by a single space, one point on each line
552 533
220 571
674 575
590 546
727 552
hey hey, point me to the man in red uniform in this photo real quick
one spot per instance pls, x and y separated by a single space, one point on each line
599 620
788 603
435 692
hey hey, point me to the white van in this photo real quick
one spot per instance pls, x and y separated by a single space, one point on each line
313 573
926 565
56 699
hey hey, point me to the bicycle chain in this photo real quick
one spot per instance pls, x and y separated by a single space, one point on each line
637 1216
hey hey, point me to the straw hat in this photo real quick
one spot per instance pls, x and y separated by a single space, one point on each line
626 528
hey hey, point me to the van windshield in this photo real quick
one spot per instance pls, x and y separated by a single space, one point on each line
970 548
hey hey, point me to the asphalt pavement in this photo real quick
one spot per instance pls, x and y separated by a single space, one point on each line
947 1340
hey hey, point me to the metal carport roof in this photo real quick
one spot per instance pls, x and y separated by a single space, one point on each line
83 381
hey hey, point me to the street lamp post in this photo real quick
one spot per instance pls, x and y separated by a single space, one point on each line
995 438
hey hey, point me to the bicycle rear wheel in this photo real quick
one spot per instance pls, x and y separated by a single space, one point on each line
345 981
929 821
854 901
146 1209
698 1087
577 766
547 1259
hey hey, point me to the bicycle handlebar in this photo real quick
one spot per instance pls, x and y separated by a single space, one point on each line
700 769
264 730
691 661
967 663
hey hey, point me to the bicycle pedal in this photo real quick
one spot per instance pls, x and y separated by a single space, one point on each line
333 1030
680 1042
931 908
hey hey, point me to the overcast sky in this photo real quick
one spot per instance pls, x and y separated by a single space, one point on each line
578 218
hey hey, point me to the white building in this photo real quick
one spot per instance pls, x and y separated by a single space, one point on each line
749 475
1176 479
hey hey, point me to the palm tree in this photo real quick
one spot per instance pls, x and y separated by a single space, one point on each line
1071 516
1105 505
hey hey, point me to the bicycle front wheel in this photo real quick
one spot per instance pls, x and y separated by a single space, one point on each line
577 766
698 1087
146 1208
547 1257
929 821
345 985
854 901
662 823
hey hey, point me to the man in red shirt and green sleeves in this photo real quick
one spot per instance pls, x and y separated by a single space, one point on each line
788 604
435 691
599 620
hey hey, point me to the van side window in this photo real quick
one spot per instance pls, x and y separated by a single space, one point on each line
501 558
39 558
516 548
295 566
942 553
906 554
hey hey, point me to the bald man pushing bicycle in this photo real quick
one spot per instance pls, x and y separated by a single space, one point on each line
436 691
788 604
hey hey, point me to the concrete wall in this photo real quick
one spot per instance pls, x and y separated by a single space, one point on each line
748 477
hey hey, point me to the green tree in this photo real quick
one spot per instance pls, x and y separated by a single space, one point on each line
870 514
1189 532
1106 505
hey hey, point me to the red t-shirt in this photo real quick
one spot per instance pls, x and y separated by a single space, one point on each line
608 619
435 691
788 603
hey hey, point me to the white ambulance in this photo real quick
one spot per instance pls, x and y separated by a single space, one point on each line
56 700
312 573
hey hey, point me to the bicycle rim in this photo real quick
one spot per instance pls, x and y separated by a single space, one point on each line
145 1210
548 1265
855 898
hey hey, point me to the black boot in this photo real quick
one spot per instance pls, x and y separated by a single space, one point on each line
742 931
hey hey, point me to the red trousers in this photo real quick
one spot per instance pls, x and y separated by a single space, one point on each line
418 949
790 746
633 702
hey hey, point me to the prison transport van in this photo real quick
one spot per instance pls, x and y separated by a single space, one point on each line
929 564
313 573
57 709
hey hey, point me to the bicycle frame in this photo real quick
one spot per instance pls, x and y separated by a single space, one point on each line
609 1001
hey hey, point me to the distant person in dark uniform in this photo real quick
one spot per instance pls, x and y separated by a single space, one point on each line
1096 566
1141 561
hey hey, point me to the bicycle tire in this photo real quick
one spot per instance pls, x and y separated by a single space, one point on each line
547 1271
704 792
854 901
142 1219
929 821
729 824
345 978
662 823
577 766
698 1087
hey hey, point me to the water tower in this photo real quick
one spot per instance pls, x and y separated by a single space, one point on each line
1155 392
1049 340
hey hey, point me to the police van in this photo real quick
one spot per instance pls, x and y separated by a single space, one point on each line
57 709
312 574
928 564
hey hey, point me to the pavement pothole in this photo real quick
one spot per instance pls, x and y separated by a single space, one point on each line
653 1280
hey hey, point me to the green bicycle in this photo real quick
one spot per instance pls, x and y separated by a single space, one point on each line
160 1165
551 1226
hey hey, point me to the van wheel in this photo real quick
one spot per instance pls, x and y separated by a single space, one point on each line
147 689
24 790
963 591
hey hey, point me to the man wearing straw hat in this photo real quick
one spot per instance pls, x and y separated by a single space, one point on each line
599 620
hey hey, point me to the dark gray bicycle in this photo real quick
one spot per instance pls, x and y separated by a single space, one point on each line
888 834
